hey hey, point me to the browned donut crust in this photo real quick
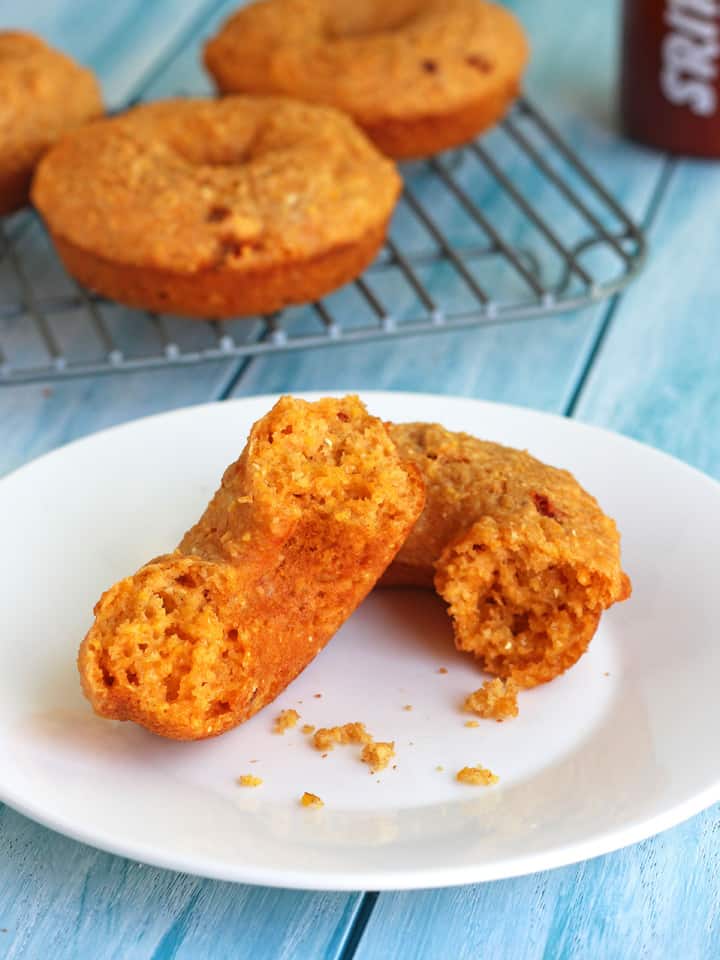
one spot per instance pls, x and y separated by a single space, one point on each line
43 93
524 557
302 526
419 76
217 208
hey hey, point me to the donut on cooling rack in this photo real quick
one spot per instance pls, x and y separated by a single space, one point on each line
217 207
419 76
524 557
43 93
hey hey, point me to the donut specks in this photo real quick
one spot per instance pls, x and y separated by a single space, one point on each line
479 62
218 213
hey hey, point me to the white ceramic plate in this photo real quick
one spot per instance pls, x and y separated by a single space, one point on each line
622 746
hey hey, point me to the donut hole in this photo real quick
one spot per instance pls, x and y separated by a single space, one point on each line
353 21
201 144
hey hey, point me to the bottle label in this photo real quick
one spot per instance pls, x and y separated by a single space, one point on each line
690 53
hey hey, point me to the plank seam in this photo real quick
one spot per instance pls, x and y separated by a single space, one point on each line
668 168
173 937
358 925
234 378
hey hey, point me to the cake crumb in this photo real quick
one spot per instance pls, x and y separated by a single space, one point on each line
408 706
317 696
248 780
326 737
286 720
495 700
310 800
439 768
472 723
308 728
442 670
378 754
476 776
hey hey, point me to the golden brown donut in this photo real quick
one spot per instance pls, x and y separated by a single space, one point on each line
524 557
418 76
43 93
301 528
217 208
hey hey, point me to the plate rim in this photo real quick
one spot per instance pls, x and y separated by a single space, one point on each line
363 394
387 880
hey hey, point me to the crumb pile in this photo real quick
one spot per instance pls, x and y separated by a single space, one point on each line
285 720
476 776
327 737
248 780
311 800
495 700
377 754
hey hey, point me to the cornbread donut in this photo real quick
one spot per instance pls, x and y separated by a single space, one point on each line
217 208
43 93
419 76
299 531
524 557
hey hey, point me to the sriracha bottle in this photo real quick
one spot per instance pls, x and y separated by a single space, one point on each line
670 76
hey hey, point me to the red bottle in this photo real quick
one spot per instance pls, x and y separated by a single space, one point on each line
670 82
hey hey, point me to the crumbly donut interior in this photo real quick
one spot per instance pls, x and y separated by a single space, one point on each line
336 464
347 20
523 615
168 633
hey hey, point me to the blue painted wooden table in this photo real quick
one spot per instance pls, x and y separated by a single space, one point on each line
646 364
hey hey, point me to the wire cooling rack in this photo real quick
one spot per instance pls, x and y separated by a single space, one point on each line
510 227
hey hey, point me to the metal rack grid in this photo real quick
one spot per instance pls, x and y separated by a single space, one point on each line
468 247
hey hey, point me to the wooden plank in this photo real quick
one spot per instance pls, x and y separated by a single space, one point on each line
657 899
65 900
38 417
657 375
